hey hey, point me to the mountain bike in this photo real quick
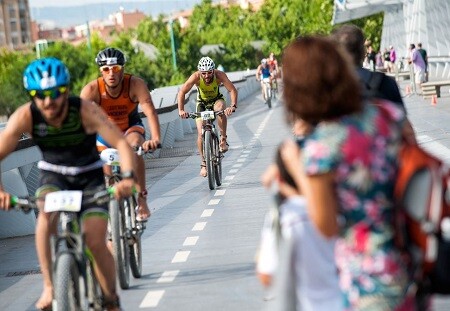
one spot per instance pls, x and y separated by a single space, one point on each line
268 91
125 230
75 284
210 144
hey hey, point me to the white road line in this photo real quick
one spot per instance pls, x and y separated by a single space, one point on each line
229 177
219 193
237 165
241 160
233 171
168 276
190 241
246 151
214 201
244 155
181 256
207 212
199 226
152 299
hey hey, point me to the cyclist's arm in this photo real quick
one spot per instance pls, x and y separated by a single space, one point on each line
258 72
185 88
90 92
222 77
18 123
140 90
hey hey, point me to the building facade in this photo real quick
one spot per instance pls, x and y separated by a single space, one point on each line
15 24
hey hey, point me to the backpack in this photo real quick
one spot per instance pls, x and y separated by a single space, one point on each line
422 221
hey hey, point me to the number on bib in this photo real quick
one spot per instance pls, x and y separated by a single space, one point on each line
207 115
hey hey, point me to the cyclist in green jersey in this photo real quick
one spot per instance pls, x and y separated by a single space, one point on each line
64 128
207 80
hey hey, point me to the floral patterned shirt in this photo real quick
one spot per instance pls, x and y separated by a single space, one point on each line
362 150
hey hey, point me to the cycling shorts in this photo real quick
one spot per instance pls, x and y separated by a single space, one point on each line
91 182
135 128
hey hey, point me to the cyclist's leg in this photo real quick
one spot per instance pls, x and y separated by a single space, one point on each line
135 137
45 226
263 89
222 123
198 122
95 223
102 145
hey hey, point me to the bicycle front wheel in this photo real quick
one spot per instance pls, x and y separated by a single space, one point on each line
67 283
120 243
208 153
217 161
135 243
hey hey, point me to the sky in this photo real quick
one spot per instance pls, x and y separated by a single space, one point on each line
47 3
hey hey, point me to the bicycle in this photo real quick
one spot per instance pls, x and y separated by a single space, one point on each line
210 144
268 91
75 284
125 230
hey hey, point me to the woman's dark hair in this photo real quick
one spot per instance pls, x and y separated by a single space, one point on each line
320 82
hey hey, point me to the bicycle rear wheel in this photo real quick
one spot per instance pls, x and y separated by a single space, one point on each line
135 243
207 143
67 283
120 243
217 161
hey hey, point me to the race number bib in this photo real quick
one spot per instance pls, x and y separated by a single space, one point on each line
110 156
63 201
207 115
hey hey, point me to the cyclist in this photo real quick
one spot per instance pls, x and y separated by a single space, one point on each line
64 128
207 80
119 94
264 72
273 64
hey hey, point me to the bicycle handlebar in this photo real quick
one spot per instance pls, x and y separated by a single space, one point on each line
140 151
195 115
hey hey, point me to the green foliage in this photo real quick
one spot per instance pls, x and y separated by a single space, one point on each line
277 23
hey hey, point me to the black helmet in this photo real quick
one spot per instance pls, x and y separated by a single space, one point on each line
110 56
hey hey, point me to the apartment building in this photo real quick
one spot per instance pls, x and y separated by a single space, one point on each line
15 24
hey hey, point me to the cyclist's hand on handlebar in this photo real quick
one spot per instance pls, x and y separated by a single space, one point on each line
5 200
183 114
151 145
228 111
124 188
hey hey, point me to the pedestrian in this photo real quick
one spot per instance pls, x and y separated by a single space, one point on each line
424 55
346 171
415 58
393 58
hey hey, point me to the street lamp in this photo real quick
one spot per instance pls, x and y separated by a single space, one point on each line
172 42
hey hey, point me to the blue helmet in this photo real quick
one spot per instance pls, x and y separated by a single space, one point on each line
45 73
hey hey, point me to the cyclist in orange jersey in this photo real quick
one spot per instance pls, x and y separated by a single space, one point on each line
119 94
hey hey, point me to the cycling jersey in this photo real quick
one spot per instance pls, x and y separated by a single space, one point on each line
121 109
272 64
208 93
265 72
68 145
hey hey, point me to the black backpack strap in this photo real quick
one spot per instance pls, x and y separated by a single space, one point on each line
374 82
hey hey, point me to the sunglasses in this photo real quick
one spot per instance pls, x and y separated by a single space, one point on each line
115 68
205 73
52 93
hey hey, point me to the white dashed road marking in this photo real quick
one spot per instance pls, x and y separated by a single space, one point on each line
168 276
207 212
152 299
180 256
190 241
214 202
199 226
229 177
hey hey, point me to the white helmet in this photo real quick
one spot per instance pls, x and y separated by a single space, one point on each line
263 61
206 64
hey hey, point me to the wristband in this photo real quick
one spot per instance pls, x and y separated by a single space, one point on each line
128 175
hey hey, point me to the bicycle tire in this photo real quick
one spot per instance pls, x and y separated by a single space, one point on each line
136 245
217 161
120 243
207 144
67 282
94 291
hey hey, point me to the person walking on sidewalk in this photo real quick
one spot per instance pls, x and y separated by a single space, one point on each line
64 128
207 80
120 94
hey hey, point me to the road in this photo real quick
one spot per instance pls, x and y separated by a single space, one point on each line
199 246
